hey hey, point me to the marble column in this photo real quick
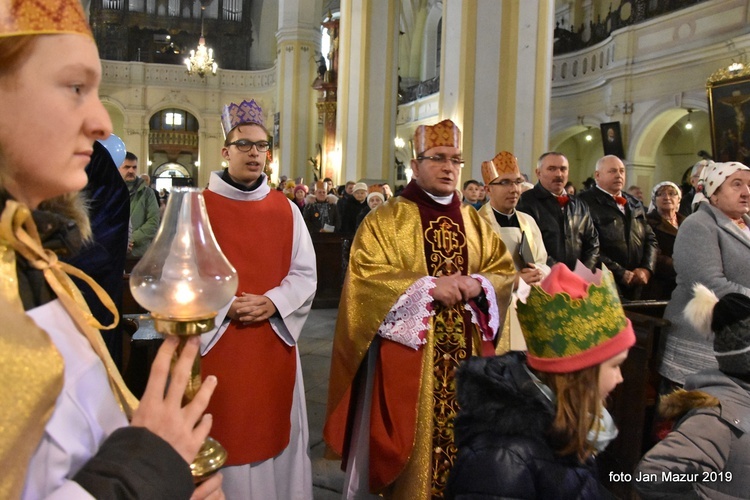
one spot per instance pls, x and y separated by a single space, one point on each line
298 42
367 89
495 77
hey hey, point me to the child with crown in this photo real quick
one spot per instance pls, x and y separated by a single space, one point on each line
531 423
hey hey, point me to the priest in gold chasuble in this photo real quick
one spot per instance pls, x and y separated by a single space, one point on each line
428 285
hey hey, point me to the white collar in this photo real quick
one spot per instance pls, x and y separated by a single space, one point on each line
499 212
219 186
443 200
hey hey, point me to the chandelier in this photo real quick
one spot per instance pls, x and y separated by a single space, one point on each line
201 60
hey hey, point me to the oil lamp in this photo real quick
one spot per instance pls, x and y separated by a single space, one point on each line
183 280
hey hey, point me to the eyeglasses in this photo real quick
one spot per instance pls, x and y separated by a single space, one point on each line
507 182
455 160
671 194
245 146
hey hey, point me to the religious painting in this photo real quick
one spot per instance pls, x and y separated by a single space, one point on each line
728 104
612 139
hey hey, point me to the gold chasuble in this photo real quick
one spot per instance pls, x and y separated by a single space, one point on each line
31 378
398 247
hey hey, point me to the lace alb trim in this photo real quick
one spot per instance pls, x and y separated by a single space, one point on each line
489 292
407 321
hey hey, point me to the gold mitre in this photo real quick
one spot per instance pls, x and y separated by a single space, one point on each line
42 17
237 114
445 133
503 163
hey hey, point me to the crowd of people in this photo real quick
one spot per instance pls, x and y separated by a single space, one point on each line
327 209
480 331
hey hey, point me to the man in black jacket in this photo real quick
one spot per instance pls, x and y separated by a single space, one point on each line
567 229
627 244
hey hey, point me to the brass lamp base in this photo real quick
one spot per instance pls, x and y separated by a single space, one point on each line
212 454
211 458
182 327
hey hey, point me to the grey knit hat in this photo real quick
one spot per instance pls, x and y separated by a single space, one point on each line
728 319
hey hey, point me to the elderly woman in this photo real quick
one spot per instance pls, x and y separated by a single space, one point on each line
712 248
63 408
664 219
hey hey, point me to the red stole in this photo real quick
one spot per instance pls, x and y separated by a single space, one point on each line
256 369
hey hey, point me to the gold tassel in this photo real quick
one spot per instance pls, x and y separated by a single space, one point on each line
17 229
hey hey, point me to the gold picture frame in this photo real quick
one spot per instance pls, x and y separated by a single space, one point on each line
728 91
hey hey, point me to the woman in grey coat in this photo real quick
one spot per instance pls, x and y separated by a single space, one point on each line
712 248
707 455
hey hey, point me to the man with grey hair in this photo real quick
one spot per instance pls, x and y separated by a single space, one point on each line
567 229
627 245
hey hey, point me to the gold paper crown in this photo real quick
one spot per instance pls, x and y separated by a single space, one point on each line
565 334
237 114
503 163
445 133
42 17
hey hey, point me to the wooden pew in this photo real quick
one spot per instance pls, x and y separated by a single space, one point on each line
632 403
332 257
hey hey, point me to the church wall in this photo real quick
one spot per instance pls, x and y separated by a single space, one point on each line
644 71
645 76
140 90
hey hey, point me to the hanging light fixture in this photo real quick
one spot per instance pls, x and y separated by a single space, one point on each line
201 60
689 125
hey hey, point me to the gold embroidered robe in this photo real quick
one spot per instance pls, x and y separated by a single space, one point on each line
387 257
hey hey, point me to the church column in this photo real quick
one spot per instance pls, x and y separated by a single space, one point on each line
298 40
495 77
367 89
209 153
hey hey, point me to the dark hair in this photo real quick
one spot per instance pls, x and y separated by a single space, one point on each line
130 156
470 182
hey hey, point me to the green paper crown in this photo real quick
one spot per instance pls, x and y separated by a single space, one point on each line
558 326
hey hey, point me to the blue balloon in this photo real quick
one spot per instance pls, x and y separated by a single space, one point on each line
116 149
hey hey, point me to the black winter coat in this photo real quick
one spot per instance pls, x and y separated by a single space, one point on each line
500 434
569 235
663 282
349 209
626 241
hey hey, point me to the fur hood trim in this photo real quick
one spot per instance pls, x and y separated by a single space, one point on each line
678 403
71 206
700 310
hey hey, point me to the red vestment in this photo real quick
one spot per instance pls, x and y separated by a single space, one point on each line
256 369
